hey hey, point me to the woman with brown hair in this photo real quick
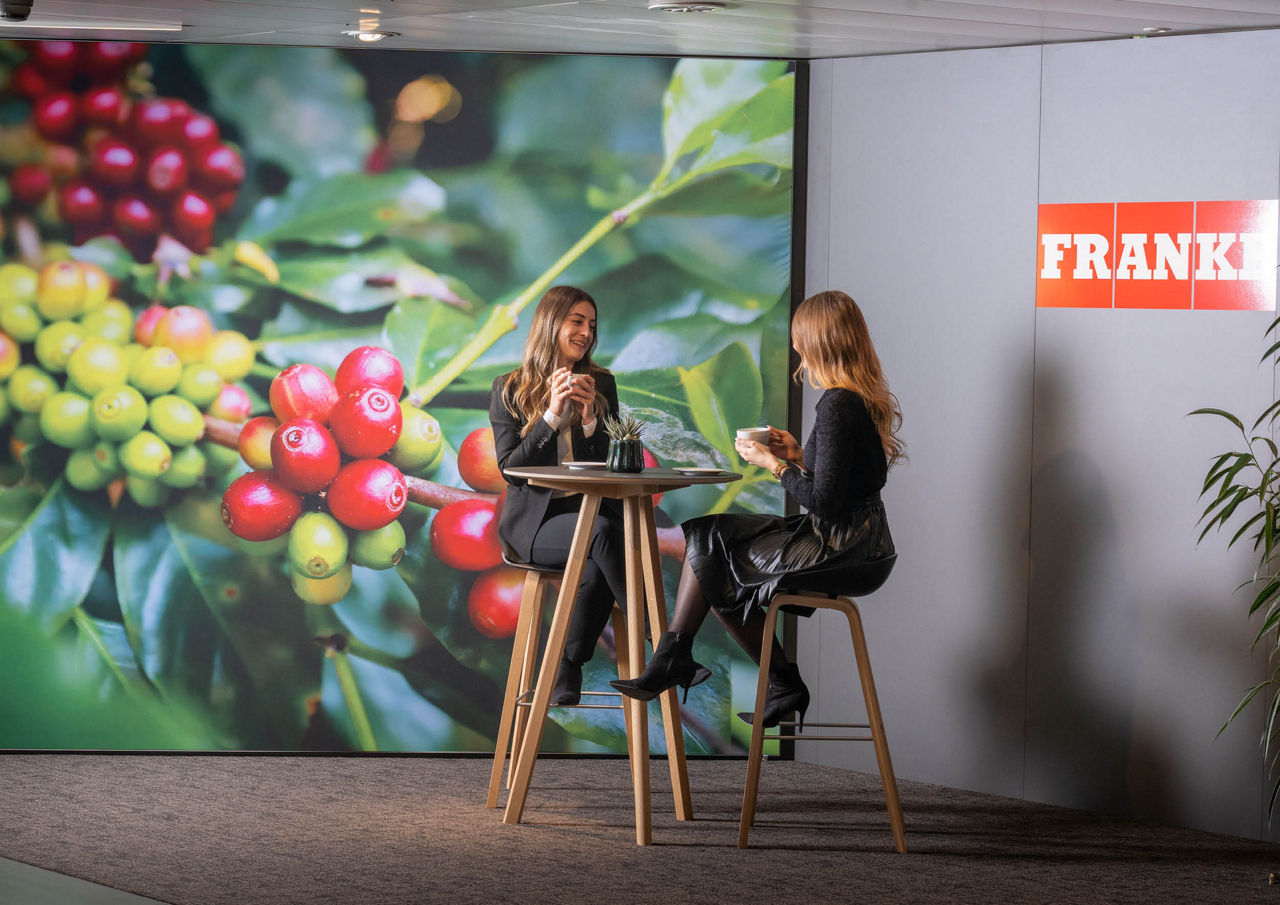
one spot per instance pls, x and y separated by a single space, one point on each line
546 412
734 562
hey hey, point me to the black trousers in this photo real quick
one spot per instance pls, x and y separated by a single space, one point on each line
604 574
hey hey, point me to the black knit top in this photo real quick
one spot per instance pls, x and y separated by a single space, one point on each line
844 456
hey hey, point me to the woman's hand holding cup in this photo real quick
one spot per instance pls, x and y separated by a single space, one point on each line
784 446
750 444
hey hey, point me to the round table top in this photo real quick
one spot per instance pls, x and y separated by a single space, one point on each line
618 483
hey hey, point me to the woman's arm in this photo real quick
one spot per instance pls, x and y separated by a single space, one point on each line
538 447
597 445
823 491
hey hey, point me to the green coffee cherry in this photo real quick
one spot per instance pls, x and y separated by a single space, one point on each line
6 408
119 413
219 459
144 455
177 421
98 323
264 548
56 342
29 387
64 420
323 591
17 282
27 428
199 384
420 441
381 548
83 473
147 492
107 458
155 371
187 469
97 364
317 545
21 320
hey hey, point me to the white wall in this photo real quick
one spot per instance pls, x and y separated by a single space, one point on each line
1052 630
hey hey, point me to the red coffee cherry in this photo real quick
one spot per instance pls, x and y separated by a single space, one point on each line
199 133
304 455
114 163
219 168
159 121
57 60
29 82
370 366
192 215
105 106
135 217
56 116
166 172
464 535
145 326
366 423
80 204
478 462
367 494
233 404
493 603
302 391
29 183
105 61
254 444
258 507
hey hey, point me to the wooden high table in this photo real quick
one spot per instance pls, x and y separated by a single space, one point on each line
644 584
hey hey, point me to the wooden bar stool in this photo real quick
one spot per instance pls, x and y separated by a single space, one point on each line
524 657
831 588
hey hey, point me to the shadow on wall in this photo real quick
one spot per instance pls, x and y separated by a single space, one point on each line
1082 617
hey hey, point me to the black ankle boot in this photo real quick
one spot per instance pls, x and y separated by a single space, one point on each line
568 688
787 694
672 665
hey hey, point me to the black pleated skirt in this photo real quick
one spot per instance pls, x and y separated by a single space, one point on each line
740 558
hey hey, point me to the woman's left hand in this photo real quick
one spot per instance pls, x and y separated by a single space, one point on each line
755 453
584 395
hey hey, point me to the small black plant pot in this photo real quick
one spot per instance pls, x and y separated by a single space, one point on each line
626 455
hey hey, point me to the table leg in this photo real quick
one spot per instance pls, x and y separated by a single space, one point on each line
638 734
551 657
669 699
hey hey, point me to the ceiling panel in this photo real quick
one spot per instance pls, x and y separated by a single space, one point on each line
779 28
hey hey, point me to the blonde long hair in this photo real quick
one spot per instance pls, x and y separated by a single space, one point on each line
835 348
527 390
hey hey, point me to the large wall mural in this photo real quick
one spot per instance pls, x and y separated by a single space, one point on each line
184 223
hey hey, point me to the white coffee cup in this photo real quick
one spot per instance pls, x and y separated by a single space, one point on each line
758 434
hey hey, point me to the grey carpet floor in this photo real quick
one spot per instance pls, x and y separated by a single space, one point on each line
210 830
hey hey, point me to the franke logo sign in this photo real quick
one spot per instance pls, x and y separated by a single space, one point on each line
1218 255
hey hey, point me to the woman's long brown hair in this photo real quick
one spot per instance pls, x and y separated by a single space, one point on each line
527 390
835 348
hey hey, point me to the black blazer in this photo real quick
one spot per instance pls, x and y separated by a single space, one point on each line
525 507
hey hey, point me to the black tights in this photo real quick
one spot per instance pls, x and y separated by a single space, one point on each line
604 575
692 608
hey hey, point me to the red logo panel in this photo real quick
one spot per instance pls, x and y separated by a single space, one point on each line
1236 255
1153 254
1074 258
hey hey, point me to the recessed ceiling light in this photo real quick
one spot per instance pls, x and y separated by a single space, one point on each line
370 37
686 6
1157 30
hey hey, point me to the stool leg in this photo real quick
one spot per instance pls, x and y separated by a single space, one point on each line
532 590
877 728
757 730
528 661
638 725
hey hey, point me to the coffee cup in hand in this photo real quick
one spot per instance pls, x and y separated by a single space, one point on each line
758 434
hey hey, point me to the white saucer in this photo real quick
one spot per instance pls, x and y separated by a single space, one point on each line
695 471
586 466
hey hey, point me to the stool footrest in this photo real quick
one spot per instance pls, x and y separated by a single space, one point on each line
818 738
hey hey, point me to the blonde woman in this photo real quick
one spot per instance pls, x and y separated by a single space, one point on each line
546 412
734 562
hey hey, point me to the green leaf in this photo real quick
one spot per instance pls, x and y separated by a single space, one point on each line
725 393
306 109
1220 413
424 334
108 254
310 333
1269 590
749 255
381 612
369 279
757 132
728 191
702 95
346 210
51 550
674 342
215 626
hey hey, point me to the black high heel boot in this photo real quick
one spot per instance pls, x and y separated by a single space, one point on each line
787 693
672 665
568 688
